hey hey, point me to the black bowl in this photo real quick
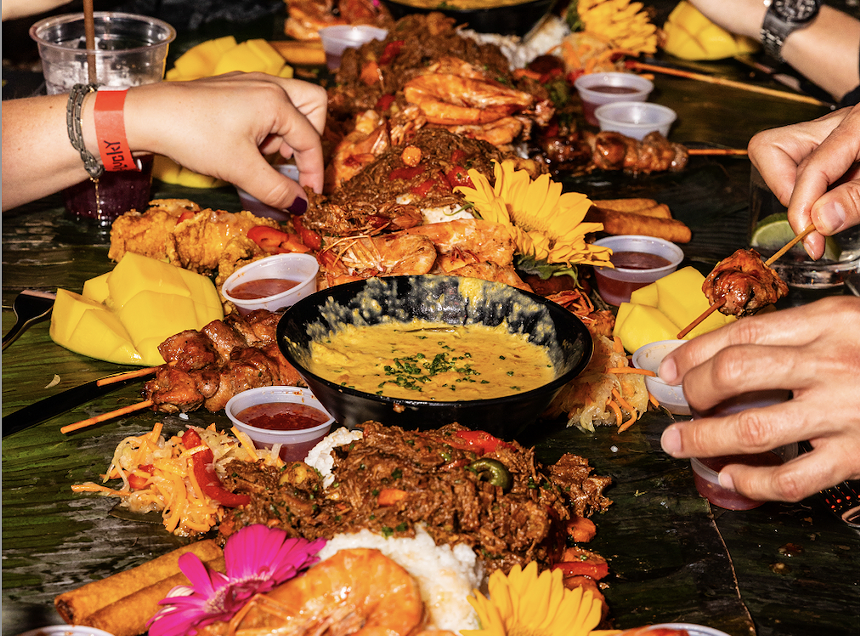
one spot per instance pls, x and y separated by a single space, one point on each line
448 299
517 19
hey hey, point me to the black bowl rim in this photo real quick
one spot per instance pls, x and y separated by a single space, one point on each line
554 385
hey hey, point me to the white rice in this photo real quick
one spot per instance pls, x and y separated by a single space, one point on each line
320 456
520 52
445 576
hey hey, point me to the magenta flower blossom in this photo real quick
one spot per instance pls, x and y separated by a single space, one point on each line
257 558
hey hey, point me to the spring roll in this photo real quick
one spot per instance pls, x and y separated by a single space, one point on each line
645 207
86 600
128 615
626 223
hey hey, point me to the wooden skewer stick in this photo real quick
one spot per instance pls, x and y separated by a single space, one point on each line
701 318
806 231
718 152
106 416
137 373
724 82
90 37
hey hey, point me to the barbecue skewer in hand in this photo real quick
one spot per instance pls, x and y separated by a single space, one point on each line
758 286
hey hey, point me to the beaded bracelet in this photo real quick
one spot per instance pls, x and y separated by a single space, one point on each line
73 123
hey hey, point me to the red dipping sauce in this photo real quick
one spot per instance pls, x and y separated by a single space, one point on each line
282 416
711 490
262 288
638 260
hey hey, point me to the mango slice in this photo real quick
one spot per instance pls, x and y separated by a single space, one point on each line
676 300
201 60
125 314
692 36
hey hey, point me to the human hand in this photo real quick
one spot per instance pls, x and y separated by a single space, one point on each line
223 126
814 351
800 162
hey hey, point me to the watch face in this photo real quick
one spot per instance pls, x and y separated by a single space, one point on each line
795 10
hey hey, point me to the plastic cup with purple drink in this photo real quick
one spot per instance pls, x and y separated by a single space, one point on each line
130 50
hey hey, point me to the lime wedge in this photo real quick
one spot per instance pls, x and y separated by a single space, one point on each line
773 232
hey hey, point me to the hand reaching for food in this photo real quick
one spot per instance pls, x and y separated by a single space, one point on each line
812 168
812 350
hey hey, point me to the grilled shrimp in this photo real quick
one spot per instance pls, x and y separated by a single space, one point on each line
359 592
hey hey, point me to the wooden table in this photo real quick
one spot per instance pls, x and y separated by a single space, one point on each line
779 569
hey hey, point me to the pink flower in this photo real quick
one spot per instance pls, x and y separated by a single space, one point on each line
257 559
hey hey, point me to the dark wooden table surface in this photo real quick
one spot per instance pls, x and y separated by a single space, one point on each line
782 569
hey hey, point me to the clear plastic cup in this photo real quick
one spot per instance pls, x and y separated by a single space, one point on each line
596 89
130 50
635 119
337 39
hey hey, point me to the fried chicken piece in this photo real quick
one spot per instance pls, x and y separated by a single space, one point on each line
148 233
745 282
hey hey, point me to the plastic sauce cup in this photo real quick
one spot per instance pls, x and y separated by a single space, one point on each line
635 119
295 444
299 268
649 357
616 284
596 89
336 39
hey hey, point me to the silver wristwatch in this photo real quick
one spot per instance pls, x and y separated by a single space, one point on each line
783 17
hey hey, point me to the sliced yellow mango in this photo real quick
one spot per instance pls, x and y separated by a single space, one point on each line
124 315
692 36
97 289
681 299
251 55
167 170
91 329
645 295
201 60
644 324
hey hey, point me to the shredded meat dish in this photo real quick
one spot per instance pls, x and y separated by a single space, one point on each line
745 283
391 479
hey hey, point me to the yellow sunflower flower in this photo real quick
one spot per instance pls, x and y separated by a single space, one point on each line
525 604
544 223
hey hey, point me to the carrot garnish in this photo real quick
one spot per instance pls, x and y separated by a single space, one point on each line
618 417
624 404
627 424
90 487
630 370
619 347
653 400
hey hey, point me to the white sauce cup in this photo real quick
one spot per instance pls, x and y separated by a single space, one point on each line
301 268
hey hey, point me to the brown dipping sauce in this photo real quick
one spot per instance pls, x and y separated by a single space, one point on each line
638 260
282 416
613 90
262 288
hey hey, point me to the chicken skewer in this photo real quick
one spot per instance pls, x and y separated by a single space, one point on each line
743 283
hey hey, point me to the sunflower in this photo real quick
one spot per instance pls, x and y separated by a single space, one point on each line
545 224
525 604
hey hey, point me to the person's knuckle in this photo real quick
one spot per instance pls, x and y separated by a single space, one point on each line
753 429
789 485
728 367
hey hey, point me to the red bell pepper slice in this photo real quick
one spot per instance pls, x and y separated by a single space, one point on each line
203 465
274 241
405 173
459 176
391 51
311 238
477 441
384 103
138 482
582 562
422 188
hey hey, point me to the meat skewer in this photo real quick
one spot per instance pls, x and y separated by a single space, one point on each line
751 285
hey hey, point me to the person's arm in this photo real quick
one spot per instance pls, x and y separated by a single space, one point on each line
218 126
812 168
827 52
813 351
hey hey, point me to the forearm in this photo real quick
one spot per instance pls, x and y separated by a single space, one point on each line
38 158
826 52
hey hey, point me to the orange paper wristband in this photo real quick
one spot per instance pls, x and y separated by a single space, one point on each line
110 130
